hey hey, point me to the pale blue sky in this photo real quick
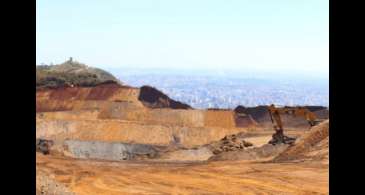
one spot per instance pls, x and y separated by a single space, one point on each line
280 35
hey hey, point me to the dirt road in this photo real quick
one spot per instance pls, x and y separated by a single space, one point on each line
234 177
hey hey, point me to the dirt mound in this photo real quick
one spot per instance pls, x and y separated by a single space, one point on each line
313 145
235 147
253 153
229 143
153 98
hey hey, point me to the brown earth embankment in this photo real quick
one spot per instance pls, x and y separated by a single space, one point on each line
129 132
77 98
130 112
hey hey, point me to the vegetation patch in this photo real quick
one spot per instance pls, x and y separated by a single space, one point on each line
71 73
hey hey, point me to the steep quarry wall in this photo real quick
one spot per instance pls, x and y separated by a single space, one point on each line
113 113
122 103
128 132
189 118
69 115
219 118
111 92
76 98
130 112
67 98
67 105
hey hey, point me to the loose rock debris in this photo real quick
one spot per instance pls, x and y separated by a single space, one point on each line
229 143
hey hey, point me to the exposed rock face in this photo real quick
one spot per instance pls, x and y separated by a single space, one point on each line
128 132
153 98
81 98
76 98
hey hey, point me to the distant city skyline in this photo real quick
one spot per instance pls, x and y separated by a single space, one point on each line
279 36
229 91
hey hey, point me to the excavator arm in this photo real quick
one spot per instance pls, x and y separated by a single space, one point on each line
278 136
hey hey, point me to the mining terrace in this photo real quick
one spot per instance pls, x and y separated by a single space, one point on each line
114 139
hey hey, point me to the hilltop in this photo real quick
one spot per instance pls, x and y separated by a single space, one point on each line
71 73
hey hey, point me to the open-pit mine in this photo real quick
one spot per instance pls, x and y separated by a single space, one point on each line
116 139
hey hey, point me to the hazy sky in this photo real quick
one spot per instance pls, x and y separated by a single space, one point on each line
217 34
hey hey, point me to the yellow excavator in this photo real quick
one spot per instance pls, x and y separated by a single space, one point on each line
279 137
